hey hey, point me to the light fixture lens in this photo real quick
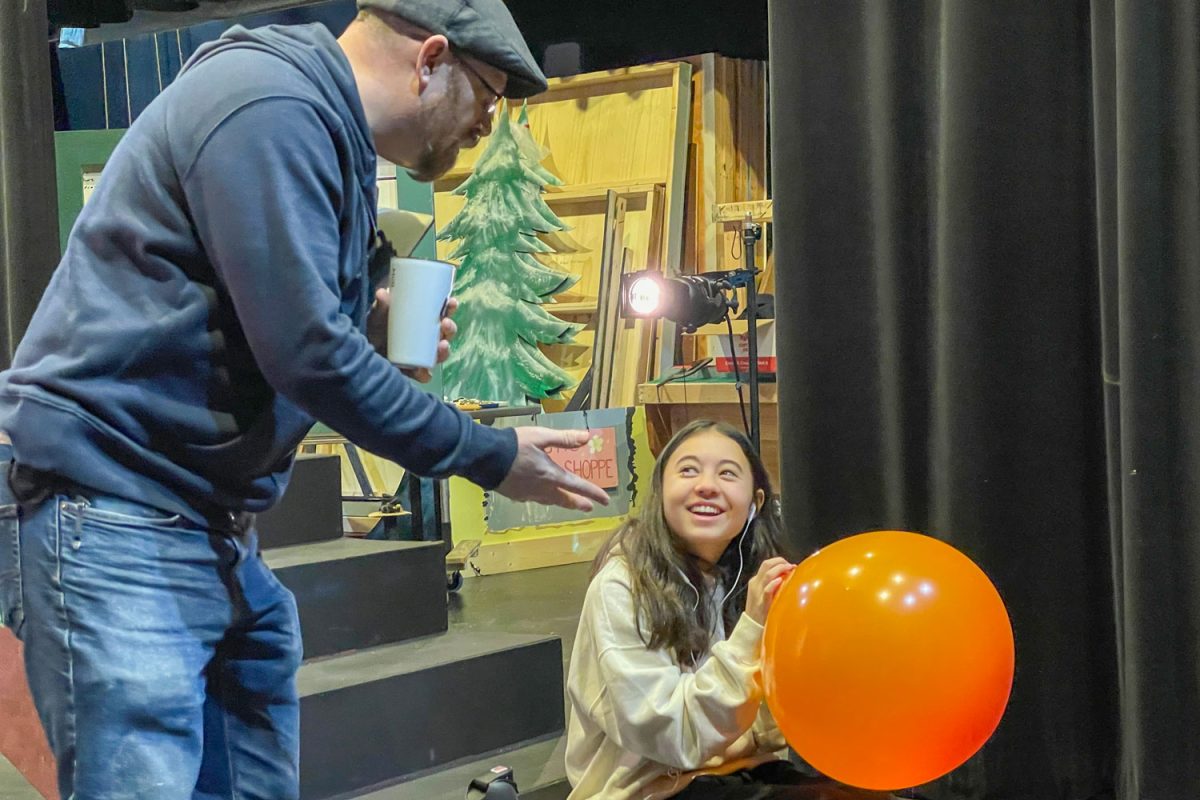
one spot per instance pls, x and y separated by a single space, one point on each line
645 295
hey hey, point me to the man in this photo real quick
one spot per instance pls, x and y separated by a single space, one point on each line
209 306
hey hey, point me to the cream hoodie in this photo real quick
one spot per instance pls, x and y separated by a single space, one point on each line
641 727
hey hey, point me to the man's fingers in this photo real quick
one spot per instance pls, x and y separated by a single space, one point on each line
542 438
383 297
572 501
449 329
443 351
451 306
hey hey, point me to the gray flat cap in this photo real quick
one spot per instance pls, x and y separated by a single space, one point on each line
483 29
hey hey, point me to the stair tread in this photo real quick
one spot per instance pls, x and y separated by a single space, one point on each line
336 549
379 663
535 765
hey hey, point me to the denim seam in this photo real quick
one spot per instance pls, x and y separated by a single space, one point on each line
67 636
105 516
234 794
18 618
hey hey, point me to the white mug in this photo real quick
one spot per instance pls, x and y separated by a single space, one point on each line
420 289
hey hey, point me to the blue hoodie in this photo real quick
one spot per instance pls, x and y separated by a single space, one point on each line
211 300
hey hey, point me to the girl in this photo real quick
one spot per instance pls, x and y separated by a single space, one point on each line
664 686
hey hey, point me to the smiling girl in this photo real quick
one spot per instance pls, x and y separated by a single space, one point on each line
664 684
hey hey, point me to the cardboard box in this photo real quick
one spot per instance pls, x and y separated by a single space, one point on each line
718 346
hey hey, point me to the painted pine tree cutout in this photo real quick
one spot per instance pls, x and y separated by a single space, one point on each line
500 284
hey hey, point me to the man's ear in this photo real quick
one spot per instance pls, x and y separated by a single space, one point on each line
432 52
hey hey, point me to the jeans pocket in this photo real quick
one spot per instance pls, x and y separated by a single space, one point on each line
11 611
118 513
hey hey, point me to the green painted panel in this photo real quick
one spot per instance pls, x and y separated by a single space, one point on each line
77 153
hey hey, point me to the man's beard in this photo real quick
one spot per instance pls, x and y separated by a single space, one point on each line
441 147
434 162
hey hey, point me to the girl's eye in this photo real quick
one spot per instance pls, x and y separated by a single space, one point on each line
687 470
729 473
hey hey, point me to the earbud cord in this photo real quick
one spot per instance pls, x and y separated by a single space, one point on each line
741 555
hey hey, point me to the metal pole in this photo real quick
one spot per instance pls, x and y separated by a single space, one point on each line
751 232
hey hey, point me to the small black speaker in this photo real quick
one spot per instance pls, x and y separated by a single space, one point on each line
88 13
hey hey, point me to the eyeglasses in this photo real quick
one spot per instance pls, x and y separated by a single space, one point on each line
495 93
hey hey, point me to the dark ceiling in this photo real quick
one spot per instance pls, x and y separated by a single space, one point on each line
612 32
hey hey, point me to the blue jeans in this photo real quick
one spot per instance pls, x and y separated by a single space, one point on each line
161 656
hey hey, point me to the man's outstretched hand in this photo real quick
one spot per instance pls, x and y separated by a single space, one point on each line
535 477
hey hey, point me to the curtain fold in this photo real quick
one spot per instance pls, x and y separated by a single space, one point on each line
1149 222
986 246
28 193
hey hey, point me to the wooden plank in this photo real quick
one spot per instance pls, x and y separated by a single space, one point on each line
617 80
570 547
635 356
608 320
731 213
672 265
684 393
599 191
590 306
568 194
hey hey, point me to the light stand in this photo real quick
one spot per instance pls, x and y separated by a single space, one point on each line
751 233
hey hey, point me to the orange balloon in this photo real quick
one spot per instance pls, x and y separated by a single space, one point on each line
888 659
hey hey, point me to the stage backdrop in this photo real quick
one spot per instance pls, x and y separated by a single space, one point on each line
987 221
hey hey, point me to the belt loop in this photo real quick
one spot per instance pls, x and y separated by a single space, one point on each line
80 504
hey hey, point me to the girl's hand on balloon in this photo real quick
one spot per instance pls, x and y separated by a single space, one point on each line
763 587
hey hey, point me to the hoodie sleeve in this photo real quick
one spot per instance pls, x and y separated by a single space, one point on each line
264 191
654 708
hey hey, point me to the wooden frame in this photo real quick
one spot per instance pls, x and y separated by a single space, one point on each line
607 319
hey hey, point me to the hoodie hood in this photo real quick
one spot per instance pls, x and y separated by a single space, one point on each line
315 52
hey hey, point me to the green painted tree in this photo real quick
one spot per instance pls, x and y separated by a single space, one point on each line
500 283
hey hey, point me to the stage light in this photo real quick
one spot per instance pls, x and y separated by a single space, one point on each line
690 300
645 295
703 299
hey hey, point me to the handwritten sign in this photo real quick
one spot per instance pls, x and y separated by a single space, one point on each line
595 462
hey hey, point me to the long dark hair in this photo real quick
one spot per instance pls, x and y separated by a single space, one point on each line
665 601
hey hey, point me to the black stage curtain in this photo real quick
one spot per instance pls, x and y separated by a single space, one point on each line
28 193
987 227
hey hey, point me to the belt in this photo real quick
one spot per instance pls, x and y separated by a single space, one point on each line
32 486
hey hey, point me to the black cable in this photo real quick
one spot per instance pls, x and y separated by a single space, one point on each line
737 373
687 373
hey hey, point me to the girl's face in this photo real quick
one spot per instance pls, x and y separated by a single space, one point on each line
707 491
